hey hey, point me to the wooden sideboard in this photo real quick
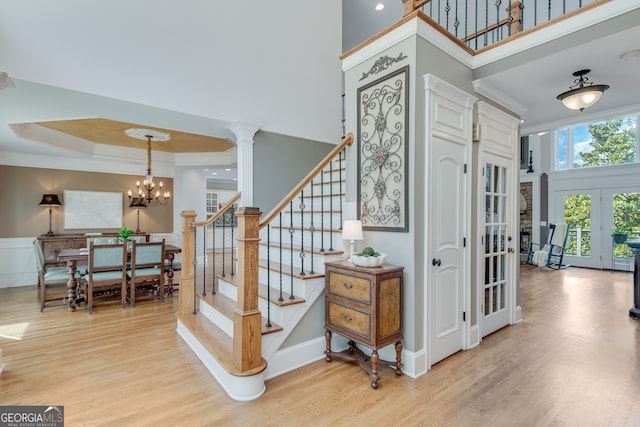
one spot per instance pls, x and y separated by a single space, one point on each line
52 245
364 305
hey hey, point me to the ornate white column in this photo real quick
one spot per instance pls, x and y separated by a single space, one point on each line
244 133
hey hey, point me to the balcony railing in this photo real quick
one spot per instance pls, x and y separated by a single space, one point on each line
478 24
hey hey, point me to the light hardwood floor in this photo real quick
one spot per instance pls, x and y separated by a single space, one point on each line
572 361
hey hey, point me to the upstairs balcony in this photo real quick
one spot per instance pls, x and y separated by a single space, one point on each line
478 25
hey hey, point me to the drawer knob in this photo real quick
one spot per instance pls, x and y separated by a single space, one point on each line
347 318
349 286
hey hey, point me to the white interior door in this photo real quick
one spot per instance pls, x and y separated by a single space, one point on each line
446 249
499 255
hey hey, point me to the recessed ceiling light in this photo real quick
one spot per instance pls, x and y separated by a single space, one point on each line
631 56
380 6
214 173
542 133
228 170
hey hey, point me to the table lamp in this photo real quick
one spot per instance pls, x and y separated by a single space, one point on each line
352 231
50 200
138 202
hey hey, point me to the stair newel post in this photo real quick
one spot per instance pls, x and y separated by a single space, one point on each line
247 320
187 282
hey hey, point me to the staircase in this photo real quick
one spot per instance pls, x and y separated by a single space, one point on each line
237 325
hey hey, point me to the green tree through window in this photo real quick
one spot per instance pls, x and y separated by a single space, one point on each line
612 142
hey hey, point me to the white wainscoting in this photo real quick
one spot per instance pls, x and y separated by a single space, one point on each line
17 262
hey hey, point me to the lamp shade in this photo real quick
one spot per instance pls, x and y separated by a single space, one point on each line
50 200
583 94
352 230
138 202
581 98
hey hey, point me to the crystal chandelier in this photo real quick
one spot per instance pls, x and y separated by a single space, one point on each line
147 192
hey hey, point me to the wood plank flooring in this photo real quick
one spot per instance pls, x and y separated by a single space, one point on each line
572 361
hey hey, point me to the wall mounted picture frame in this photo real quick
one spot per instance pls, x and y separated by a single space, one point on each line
95 210
383 203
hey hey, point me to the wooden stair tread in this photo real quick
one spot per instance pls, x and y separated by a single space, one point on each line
217 343
326 230
286 270
308 211
307 249
275 293
227 306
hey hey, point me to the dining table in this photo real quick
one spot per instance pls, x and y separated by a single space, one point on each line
76 257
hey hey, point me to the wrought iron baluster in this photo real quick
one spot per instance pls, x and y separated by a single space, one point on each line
213 260
204 266
447 9
291 231
496 34
302 254
343 157
549 11
195 268
476 37
456 21
331 206
268 325
233 226
466 18
280 258
224 244
312 228
486 21
322 210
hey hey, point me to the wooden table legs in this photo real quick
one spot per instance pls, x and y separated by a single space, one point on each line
369 363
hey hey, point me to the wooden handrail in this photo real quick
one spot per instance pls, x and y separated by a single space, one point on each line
347 140
411 5
221 212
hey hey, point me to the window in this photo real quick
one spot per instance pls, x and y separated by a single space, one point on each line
212 204
610 142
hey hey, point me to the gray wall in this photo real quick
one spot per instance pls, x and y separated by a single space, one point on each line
279 163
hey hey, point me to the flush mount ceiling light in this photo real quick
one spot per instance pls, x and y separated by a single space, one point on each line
379 6
582 94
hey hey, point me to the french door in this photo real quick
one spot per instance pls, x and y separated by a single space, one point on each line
593 216
499 255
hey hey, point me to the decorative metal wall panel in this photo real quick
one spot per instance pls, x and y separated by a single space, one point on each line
382 153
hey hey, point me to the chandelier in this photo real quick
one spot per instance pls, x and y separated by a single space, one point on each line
146 191
583 94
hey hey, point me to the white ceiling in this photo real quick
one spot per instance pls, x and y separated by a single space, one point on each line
528 81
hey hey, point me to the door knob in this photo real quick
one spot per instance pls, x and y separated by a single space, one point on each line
436 262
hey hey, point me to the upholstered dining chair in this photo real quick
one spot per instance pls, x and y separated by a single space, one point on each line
107 271
51 279
147 269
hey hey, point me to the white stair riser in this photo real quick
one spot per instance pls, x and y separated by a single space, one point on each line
298 284
318 259
219 319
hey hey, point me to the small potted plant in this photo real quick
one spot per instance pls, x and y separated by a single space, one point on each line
124 234
619 236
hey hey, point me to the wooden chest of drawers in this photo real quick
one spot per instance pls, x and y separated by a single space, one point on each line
364 305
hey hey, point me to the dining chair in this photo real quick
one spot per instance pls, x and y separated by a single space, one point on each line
107 271
50 279
147 269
